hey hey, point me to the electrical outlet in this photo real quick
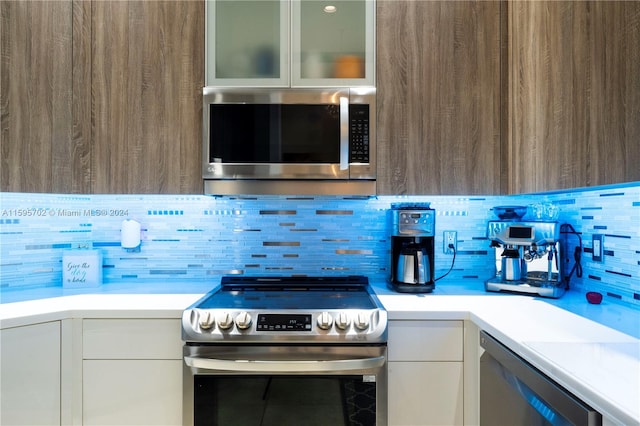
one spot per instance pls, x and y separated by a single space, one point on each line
597 241
450 238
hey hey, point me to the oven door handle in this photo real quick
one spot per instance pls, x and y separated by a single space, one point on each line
262 366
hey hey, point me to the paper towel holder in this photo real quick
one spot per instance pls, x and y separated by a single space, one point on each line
130 235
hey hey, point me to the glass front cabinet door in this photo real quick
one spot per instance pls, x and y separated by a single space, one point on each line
333 43
297 43
247 43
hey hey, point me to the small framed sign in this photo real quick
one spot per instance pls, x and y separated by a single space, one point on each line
81 268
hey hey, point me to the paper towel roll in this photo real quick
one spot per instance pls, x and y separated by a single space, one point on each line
130 234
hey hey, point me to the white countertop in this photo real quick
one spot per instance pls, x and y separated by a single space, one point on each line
598 364
95 306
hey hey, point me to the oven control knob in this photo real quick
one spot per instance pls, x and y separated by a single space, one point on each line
206 320
325 321
243 320
362 322
225 321
343 321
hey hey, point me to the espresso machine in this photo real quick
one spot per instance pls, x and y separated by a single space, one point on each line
527 258
412 248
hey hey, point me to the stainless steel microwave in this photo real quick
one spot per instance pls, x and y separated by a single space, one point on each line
289 141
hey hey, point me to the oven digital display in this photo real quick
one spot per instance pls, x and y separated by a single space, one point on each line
280 322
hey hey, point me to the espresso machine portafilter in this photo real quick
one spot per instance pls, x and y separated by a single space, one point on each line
527 258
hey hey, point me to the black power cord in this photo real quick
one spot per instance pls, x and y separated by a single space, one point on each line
577 254
453 261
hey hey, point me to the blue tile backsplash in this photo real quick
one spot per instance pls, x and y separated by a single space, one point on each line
613 212
191 238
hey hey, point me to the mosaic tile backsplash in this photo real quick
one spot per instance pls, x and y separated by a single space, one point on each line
191 238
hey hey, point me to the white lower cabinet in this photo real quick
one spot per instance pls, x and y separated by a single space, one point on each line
426 373
132 372
132 392
30 375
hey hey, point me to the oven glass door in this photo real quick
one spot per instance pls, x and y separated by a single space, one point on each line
284 400
251 385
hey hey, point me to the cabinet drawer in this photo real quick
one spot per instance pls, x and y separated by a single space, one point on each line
425 341
131 339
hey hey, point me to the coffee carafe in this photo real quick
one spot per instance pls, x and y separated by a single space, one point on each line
412 248
413 265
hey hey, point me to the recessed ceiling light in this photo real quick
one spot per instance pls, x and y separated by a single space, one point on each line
330 9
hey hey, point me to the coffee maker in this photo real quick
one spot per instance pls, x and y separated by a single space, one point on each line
412 248
527 258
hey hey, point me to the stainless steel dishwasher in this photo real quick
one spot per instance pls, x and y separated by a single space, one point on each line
513 392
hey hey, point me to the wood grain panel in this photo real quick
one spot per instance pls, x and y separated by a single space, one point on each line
147 79
438 68
106 96
36 97
102 96
82 138
574 94
110 78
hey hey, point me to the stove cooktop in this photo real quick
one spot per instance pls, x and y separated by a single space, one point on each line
287 309
290 293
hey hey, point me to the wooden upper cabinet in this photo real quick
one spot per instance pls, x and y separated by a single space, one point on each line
102 96
473 97
534 97
146 77
573 94
438 79
41 149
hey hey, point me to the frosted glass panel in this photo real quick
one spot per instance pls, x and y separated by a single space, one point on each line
333 45
247 39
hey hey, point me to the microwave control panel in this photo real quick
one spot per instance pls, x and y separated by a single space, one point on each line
358 133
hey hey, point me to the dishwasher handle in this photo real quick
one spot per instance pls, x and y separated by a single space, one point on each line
263 366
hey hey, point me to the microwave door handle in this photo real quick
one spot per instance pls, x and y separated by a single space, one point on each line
259 366
344 133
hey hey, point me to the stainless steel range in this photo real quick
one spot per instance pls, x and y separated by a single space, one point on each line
286 350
